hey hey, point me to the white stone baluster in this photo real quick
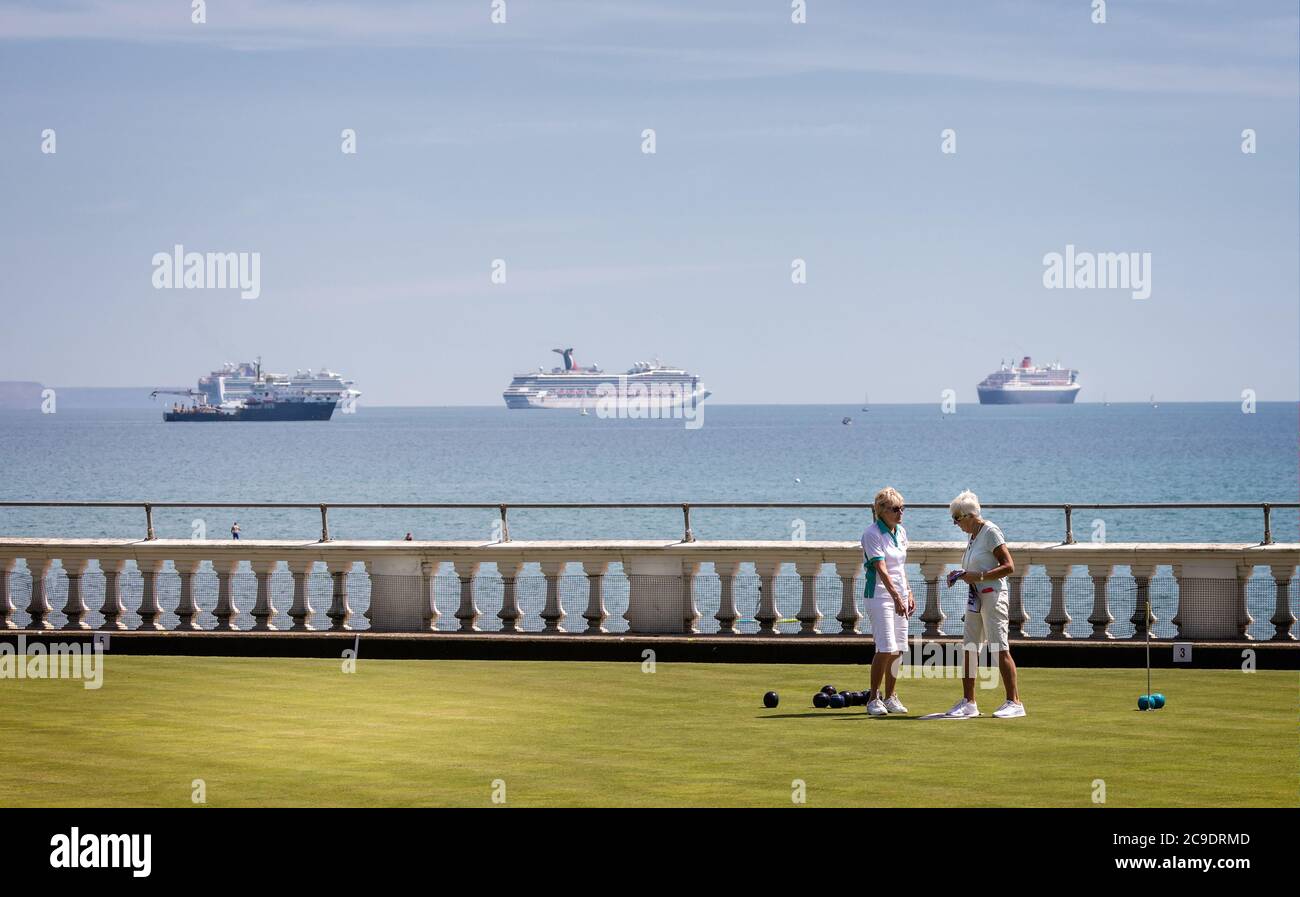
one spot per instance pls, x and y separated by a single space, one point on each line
75 608
186 608
1141 620
300 610
339 611
932 616
428 570
767 615
509 613
1016 615
848 616
39 607
113 607
690 613
552 611
726 615
7 609
226 611
595 612
1057 617
1283 619
1100 618
1244 619
264 607
809 616
467 613
150 610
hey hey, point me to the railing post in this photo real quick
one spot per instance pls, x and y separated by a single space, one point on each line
1244 619
1058 618
75 608
113 607
726 615
848 616
932 616
1142 619
1283 619
186 607
148 523
339 610
1016 616
39 608
1100 618
505 526
509 614
300 610
595 612
1268 524
226 610
324 523
688 536
150 610
767 615
1069 525
690 614
467 613
7 608
809 616
264 607
428 598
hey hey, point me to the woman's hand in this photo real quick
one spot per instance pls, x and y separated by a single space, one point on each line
911 605
900 605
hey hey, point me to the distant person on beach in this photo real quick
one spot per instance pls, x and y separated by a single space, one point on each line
409 538
234 530
887 597
984 568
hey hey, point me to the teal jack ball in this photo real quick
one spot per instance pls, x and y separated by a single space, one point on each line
1157 700
1144 702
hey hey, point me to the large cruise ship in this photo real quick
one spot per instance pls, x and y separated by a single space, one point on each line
571 386
235 381
1025 384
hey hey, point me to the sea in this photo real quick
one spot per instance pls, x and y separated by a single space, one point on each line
1078 454
1086 453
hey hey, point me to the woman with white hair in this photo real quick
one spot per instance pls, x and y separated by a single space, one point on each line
887 597
986 565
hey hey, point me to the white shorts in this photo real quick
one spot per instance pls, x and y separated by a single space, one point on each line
991 624
888 626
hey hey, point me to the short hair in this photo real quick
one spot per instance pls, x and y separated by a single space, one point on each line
968 503
887 496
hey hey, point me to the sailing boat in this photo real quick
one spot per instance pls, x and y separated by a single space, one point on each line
1153 401
866 400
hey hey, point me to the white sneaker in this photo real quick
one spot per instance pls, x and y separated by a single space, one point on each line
877 708
893 705
1010 710
963 709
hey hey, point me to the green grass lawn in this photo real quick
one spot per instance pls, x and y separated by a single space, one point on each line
417 733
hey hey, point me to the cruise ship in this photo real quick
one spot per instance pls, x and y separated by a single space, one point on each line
235 381
1025 384
571 386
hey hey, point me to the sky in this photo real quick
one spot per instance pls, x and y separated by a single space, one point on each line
774 141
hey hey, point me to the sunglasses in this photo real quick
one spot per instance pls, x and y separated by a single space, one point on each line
957 518
898 509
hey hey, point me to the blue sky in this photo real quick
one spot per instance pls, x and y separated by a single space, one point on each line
775 141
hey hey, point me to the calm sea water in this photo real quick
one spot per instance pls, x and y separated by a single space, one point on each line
1080 453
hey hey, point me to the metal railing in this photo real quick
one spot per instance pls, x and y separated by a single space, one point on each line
687 535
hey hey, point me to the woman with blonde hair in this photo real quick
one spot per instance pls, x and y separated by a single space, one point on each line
887 597
984 568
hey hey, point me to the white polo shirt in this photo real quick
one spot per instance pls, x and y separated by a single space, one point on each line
979 557
878 542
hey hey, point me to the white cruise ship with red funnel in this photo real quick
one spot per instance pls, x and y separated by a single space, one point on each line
1025 384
